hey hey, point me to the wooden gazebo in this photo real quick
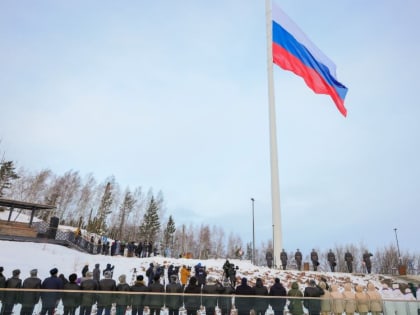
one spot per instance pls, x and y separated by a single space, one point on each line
15 204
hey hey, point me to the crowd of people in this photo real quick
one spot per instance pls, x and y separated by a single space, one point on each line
176 289
331 259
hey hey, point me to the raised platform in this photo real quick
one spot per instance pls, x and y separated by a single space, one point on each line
17 229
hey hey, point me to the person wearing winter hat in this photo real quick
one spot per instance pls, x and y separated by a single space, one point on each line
174 300
51 299
244 304
362 300
156 301
412 304
214 288
313 291
122 300
30 299
277 289
105 300
11 297
192 302
138 300
295 304
96 273
71 300
260 304
350 298
375 299
88 299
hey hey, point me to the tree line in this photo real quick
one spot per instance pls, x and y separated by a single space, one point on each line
136 215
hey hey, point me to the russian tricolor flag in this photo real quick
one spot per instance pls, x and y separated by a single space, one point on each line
293 51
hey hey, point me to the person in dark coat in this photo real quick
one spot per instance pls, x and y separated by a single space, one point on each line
138 300
200 274
269 258
110 269
260 303
71 300
244 304
174 299
366 261
122 301
150 273
232 274
348 258
298 259
283 259
225 302
85 270
313 291
51 299
88 299
331 260
192 302
105 300
156 301
96 273
314 259
30 299
12 297
211 287
277 290
2 285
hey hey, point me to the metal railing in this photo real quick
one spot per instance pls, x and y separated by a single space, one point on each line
78 302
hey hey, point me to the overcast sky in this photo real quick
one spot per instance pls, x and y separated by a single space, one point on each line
172 95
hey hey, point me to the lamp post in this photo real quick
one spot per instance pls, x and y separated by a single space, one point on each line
253 233
398 246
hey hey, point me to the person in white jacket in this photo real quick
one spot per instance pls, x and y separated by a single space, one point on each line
411 301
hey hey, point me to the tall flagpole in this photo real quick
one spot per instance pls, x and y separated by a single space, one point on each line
275 187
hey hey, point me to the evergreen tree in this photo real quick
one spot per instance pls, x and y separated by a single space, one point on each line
125 209
7 175
150 226
103 211
168 235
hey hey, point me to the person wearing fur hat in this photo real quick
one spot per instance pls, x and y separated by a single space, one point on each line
349 299
174 299
105 300
71 300
211 287
325 299
29 299
375 299
88 299
138 300
277 289
362 300
244 305
122 300
156 301
295 304
11 297
337 297
51 299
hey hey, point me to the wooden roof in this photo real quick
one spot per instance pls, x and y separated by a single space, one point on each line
24 205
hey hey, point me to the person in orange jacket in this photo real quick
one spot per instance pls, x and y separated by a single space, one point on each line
185 275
